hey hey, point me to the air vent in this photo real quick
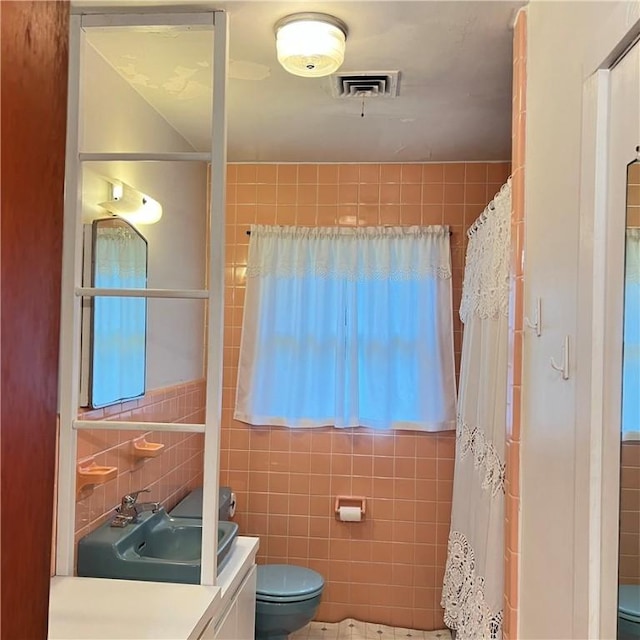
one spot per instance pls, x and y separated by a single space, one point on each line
365 84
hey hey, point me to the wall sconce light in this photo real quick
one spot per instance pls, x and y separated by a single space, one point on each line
132 205
310 44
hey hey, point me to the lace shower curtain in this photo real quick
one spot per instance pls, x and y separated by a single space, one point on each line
473 583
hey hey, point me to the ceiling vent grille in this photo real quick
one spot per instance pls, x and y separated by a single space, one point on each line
365 84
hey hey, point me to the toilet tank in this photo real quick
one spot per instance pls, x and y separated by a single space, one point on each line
224 503
191 506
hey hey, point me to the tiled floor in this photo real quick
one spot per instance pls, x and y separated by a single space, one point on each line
351 629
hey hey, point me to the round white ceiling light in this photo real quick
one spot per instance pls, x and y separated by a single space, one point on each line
310 44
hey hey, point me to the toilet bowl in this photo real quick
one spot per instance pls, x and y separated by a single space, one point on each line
287 598
629 612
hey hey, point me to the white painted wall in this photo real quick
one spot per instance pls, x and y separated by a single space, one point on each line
567 41
118 119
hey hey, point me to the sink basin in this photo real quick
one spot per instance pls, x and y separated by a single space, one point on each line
178 542
159 548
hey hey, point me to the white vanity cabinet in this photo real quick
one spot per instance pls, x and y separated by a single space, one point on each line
237 621
246 608
109 609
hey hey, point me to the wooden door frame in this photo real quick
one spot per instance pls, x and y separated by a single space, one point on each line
33 118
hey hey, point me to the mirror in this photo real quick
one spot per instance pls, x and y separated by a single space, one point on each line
114 356
629 556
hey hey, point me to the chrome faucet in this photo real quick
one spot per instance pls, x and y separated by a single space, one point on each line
130 508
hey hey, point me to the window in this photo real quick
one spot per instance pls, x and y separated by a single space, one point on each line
348 327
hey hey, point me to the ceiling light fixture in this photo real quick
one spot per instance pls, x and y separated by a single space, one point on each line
310 44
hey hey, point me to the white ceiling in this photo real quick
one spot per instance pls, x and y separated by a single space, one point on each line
454 58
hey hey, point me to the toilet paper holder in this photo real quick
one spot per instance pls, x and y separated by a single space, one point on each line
350 501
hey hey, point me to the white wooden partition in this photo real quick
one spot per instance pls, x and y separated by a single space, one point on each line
73 292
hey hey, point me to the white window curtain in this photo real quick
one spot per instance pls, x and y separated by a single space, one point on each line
631 341
473 583
348 327
119 324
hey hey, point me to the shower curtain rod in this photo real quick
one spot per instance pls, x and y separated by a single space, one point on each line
481 219
248 232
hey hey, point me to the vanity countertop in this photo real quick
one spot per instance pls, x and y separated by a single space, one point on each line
103 608
108 609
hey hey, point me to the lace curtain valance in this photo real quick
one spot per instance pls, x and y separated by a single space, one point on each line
366 252
632 256
120 253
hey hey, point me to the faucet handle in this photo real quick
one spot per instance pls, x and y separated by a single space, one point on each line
130 498
128 510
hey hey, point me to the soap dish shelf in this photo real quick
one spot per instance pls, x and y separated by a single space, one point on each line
144 449
90 473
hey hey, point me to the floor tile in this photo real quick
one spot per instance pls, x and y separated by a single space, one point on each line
351 629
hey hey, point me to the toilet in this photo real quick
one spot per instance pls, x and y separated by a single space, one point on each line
629 612
287 598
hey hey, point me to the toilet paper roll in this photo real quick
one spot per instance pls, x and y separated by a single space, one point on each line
350 514
232 505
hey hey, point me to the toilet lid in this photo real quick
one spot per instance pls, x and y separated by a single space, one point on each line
280 582
629 602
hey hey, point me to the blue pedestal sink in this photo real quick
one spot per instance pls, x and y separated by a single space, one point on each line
158 548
